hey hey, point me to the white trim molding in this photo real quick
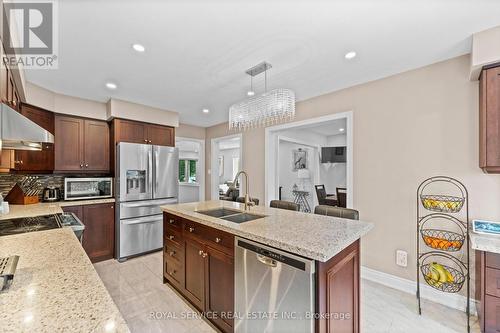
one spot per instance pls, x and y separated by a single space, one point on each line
271 156
455 301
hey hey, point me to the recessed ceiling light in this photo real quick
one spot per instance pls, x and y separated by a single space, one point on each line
350 55
250 93
205 110
111 85
341 129
138 47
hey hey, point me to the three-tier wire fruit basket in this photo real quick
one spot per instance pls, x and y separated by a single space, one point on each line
443 237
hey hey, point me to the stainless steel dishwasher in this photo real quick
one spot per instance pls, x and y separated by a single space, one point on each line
274 290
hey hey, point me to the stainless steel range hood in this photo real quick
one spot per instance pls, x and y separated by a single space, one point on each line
20 133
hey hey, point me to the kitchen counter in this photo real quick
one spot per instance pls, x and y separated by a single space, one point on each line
487 243
55 287
46 208
312 236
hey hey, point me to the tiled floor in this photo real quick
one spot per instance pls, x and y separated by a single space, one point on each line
137 288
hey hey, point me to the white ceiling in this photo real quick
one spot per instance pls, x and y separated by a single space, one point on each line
197 51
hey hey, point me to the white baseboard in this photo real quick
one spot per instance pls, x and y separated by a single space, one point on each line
454 301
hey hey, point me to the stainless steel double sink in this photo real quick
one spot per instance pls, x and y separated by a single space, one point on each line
231 215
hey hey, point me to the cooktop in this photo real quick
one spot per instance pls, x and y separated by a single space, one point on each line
28 224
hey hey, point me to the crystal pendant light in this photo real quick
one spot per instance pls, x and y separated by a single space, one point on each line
269 108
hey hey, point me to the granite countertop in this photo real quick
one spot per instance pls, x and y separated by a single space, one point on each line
312 236
46 208
487 243
55 288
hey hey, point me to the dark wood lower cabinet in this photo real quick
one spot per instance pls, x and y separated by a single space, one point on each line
99 234
199 263
488 291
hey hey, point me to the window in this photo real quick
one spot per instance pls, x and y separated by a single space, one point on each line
187 171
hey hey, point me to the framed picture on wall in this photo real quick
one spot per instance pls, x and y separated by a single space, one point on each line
299 159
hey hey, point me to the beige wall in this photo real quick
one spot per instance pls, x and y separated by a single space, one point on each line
406 128
485 50
190 131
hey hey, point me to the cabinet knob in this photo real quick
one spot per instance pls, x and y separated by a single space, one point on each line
191 229
149 141
86 165
204 255
172 253
145 140
218 240
112 207
81 165
171 237
200 252
21 161
171 221
172 272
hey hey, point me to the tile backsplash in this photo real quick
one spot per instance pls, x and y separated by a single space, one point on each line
7 181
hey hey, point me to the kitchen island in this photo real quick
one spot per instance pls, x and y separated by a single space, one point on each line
200 261
55 287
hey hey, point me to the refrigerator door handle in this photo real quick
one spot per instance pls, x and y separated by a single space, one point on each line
149 204
156 170
141 220
150 171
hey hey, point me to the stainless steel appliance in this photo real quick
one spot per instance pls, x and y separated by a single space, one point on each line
51 194
28 224
70 220
19 132
88 188
275 290
147 178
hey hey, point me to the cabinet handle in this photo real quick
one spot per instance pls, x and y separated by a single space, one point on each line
200 252
171 237
145 140
149 141
171 221
204 255
86 165
112 207
81 165
172 272
218 240
172 253
191 229
21 161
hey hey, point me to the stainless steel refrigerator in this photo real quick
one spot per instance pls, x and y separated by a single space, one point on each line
146 178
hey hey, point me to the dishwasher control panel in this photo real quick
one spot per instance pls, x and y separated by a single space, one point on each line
273 255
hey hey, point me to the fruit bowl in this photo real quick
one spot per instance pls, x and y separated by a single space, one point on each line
442 239
442 277
442 203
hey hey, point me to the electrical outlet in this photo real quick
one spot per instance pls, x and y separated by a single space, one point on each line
401 258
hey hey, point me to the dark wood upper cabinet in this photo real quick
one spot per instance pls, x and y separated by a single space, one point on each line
96 143
36 161
129 131
489 120
69 143
99 234
160 135
139 132
81 144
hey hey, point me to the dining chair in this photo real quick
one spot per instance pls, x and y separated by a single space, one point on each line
322 196
341 212
342 197
282 204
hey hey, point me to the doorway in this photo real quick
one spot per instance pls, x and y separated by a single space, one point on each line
191 169
325 147
226 161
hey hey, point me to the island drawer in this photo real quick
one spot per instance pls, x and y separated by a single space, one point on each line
173 271
221 240
172 221
173 251
174 236
195 230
